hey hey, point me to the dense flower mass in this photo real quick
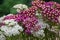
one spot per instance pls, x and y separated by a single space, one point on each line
2 37
11 27
50 10
38 31
30 20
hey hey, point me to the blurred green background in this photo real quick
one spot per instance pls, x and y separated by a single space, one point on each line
6 5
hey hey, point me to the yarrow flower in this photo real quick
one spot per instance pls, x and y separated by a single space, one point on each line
39 33
1 18
11 27
38 30
20 7
28 18
50 10
2 37
16 17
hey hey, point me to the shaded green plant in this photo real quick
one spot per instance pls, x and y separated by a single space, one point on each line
8 4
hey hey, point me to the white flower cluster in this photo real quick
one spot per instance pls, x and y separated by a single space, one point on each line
59 19
1 18
42 24
20 7
2 37
40 32
11 27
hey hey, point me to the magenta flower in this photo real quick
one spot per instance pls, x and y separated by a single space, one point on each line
50 10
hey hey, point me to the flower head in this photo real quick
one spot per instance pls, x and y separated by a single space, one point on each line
11 27
20 7
2 37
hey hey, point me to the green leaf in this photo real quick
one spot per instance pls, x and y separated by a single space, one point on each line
13 11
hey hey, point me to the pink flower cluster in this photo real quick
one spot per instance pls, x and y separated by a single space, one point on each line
28 19
16 17
50 10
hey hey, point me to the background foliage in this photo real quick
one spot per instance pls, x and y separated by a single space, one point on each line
5 5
